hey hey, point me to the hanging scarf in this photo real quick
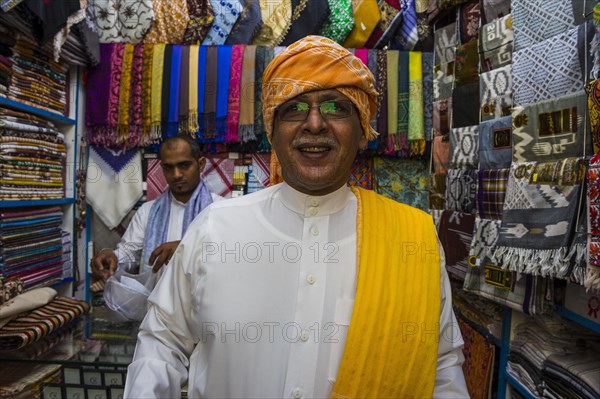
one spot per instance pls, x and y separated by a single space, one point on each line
390 18
235 87
166 88
192 126
201 18
427 69
403 105
416 129
201 89
227 12
276 16
125 94
392 102
246 121
171 18
538 219
491 192
135 111
461 188
593 101
174 78
224 59
158 220
158 60
373 144
340 21
592 279
382 99
464 144
210 94
184 91
407 35
247 24
148 60
366 18
264 55
307 18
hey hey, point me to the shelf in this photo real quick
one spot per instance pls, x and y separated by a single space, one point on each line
519 387
17 203
54 117
567 314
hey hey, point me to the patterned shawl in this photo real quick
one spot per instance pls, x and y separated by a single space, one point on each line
402 180
171 19
437 191
201 18
226 14
158 61
593 92
496 43
366 18
491 192
495 143
317 63
441 154
495 93
307 18
538 221
277 17
592 280
235 90
340 21
247 25
416 129
461 186
456 233
246 123
128 24
464 147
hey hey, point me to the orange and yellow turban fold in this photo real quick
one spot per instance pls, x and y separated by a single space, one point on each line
317 63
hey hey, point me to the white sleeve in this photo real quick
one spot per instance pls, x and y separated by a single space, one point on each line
129 250
449 380
167 338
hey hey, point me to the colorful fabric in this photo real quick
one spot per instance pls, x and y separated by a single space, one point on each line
552 68
247 24
366 18
226 14
533 23
218 175
416 132
40 322
495 143
340 21
156 184
171 18
478 367
495 93
402 180
307 18
315 63
260 168
496 43
469 17
445 42
224 61
466 64
551 129
158 60
464 147
398 77
408 33
437 191
277 17
157 228
247 100
427 68
120 21
461 187
484 241
391 18
361 172
592 279
201 18
538 220
393 103
593 101
465 105
441 154
235 92
455 233
491 192
365 359
443 81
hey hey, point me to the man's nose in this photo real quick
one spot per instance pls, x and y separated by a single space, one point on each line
177 173
315 123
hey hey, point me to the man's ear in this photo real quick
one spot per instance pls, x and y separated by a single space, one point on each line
201 163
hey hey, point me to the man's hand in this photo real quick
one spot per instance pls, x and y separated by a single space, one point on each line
162 255
104 264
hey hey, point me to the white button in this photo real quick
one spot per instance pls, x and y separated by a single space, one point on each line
311 279
297 393
314 231
313 211
304 336
314 202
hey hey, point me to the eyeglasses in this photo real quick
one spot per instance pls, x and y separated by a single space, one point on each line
330 109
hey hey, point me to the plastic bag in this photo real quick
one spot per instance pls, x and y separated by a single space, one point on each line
127 294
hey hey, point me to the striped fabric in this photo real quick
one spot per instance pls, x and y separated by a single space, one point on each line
156 184
491 191
218 175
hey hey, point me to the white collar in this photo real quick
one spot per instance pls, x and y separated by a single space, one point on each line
311 205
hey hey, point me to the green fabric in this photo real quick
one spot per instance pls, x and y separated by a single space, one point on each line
339 22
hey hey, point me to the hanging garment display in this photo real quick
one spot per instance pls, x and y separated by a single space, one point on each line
592 279
416 128
491 192
461 187
495 143
445 42
122 21
464 147
171 18
340 21
442 113
593 100
496 44
441 154
469 16
227 13
456 234
494 9
551 129
307 18
479 361
495 93
465 105
427 101
402 180
366 18
247 24
201 18
276 17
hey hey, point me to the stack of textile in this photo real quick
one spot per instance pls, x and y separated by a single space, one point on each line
6 43
553 357
31 248
485 313
37 79
32 157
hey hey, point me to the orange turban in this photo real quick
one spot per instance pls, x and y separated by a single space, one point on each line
317 63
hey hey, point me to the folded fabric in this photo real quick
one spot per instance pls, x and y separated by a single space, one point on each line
442 116
495 93
117 172
171 19
466 63
496 44
445 42
340 21
494 9
464 147
40 322
533 23
539 216
25 302
491 192
117 25
495 143
443 81
456 233
552 68
276 17
218 175
479 361
465 105
593 92
461 186
307 18
227 13
551 129
366 19
469 16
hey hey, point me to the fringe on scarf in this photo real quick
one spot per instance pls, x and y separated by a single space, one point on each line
246 133
102 135
592 279
264 145
578 256
537 262
417 147
155 132
193 125
393 144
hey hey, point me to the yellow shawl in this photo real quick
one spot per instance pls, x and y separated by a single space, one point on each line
392 342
